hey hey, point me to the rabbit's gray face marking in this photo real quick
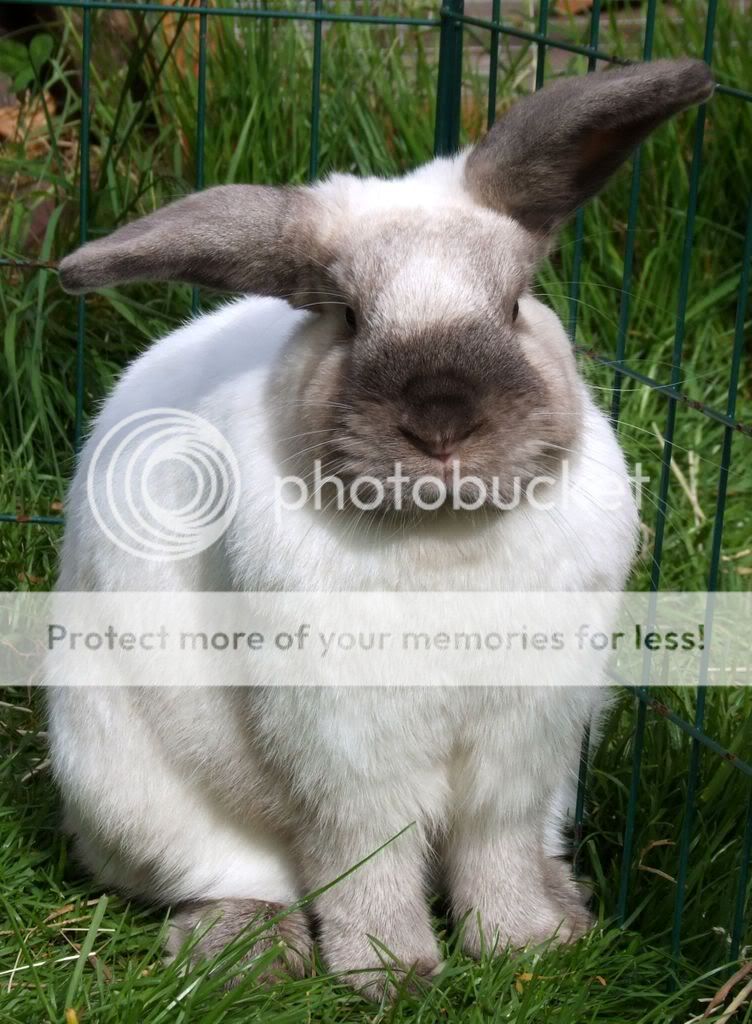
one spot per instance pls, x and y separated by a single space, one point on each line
437 375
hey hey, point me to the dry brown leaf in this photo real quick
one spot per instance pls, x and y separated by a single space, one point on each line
655 871
735 557
27 577
27 123
573 6
519 981
724 992
67 909
187 48
9 121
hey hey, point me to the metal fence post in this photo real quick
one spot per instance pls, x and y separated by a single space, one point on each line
84 192
449 85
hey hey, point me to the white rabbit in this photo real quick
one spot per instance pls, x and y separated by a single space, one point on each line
415 339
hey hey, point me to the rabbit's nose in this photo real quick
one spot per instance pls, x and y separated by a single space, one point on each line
439 445
440 413
439 431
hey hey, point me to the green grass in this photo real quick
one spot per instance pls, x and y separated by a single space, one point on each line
377 115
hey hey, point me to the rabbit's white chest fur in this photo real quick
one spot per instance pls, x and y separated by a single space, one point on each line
227 770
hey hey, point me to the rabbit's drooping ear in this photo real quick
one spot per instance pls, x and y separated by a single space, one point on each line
556 148
238 238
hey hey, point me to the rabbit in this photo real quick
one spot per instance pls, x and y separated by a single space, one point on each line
381 321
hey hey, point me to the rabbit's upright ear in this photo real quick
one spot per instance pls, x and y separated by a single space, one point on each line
556 148
238 238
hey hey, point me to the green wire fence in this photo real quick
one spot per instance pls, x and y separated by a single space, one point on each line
450 22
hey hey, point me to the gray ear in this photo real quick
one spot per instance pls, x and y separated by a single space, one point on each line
238 238
556 148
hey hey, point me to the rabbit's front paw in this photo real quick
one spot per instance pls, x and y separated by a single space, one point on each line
378 966
544 908
211 926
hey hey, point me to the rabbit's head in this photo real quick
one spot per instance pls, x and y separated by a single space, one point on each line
424 347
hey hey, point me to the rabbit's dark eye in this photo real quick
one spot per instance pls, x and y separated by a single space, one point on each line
515 311
350 318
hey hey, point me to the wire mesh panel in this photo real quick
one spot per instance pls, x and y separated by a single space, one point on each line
502 49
